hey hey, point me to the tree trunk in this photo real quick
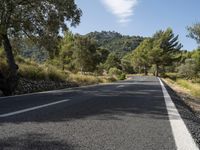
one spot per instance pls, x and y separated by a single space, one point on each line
140 70
145 71
11 80
9 54
157 70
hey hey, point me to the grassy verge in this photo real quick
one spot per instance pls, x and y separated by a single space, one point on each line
81 79
186 86
31 70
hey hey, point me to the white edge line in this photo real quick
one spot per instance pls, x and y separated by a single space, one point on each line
182 136
31 109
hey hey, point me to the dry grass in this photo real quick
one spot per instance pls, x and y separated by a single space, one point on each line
194 88
89 79
34 71
185 86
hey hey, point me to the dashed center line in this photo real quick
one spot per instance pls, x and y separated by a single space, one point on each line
32 108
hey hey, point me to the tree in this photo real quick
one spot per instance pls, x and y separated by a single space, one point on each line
112 61
126 63
39 20
114 41
196 57
85 54
194 32
165 48
66 49
102 55
140 55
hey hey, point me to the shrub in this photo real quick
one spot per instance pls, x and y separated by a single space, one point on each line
122 76
117 73
188 70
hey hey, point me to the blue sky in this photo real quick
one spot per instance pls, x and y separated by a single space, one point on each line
139 17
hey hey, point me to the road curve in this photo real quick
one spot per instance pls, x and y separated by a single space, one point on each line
126 115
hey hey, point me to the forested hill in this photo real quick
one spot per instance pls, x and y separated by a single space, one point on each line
114 41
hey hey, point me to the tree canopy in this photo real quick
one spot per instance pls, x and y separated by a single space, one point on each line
160 50
41 21
194 32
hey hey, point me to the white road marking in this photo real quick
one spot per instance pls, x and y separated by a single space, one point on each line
182 136
31 109
120 86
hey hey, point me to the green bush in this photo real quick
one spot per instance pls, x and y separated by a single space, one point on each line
122 76
117 73
189 70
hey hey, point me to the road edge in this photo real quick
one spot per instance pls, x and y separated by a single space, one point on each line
182 136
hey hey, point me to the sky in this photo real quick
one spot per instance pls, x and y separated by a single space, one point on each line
139 17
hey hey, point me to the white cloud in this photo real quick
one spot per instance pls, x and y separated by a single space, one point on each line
123 9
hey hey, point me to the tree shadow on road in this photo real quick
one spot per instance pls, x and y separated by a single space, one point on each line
144 101
33 141
109 103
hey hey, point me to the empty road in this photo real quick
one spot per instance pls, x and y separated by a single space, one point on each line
135 114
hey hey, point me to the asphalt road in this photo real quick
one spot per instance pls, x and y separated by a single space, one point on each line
127 115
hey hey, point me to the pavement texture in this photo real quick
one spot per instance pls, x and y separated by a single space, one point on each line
126 115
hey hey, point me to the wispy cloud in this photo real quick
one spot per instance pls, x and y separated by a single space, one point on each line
123 9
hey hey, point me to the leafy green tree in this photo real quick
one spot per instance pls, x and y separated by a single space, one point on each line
102 55
112 61
66 49
185 55
114 41
165 49
117 73
126 63
40 20
141 57
85 54
196 57
155 56
194 32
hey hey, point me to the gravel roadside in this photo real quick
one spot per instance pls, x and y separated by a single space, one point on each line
190 116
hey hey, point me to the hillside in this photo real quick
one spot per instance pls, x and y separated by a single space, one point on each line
114 41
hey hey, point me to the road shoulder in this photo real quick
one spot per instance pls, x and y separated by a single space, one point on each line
189 117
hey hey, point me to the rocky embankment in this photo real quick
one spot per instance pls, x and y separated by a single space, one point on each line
30 86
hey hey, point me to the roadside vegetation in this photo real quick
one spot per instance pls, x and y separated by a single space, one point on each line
43 48
190 87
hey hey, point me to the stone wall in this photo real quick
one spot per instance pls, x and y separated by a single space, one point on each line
29 86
